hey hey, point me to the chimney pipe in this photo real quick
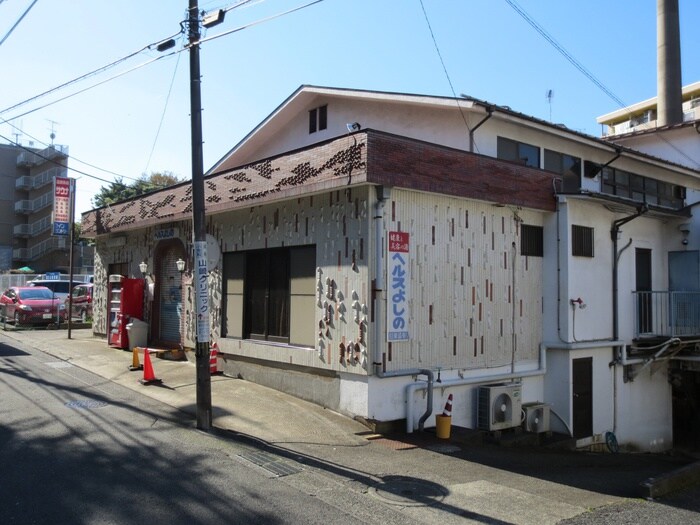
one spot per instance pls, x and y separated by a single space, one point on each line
668 56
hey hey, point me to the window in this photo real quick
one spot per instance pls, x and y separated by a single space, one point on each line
318 119
270 295
581 241
525 154
641 189
531 240
567 166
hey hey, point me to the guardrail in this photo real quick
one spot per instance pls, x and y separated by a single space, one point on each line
667 314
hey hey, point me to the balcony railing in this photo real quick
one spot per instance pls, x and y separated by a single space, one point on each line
667 314
25 206
30 230
28 158
37 181
36 251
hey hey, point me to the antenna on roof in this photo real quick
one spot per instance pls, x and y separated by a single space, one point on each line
549 96
53 132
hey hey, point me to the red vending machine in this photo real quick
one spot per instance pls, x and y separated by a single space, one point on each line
125 302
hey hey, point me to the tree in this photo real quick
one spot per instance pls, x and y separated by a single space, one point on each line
119 190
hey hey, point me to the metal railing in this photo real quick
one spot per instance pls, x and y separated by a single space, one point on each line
33 229
27 158
667 314
37 181
26 206
36 251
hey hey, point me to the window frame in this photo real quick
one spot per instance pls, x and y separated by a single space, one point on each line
504 146
270 295
531 240
582 241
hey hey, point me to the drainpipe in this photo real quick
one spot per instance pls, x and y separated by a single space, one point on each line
489 113
614 234
377 337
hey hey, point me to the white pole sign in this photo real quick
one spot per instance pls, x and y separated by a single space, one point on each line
398 289
201 291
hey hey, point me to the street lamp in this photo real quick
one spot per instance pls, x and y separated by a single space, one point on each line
180 265
144 268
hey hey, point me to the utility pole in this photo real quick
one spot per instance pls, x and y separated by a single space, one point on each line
200 271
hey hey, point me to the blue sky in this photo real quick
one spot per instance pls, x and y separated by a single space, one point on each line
489 51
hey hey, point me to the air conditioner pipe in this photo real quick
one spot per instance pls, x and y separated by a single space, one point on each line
414 387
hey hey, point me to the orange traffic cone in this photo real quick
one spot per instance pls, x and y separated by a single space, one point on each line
213 360
135 365
149 376
448 407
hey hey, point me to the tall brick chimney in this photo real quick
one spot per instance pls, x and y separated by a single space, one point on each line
668 63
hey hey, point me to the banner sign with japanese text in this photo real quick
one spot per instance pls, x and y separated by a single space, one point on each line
398 287
61 205
201 284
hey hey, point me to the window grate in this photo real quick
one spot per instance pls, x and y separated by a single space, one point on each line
581 241
531 240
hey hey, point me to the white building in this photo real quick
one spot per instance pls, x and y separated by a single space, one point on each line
512 275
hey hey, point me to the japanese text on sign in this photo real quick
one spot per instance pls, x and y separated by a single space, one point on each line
201 282
61 205
398 287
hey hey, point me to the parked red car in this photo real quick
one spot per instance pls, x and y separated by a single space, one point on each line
82 302
30 305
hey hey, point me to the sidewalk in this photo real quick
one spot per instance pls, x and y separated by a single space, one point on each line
238 405
532 486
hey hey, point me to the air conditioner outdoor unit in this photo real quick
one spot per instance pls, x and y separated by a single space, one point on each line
536 417
499 406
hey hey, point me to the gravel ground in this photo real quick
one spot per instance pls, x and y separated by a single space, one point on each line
679 509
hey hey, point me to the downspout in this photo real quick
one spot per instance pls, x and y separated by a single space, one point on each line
620 350
489 113
614 234
377 339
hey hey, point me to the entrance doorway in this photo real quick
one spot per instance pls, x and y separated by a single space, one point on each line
167 320
582 393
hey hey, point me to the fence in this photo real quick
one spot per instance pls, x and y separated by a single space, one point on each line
667 314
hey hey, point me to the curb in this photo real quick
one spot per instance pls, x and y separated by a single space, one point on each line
673 481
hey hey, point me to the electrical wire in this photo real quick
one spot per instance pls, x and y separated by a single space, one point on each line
257 22
47 159
122 73
588 74
17 23
85 75
444 68
162 116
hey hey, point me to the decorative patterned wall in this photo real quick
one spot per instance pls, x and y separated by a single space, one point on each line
469 287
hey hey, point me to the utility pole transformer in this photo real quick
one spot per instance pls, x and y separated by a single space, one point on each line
200 272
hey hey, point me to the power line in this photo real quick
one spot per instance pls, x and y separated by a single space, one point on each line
162 116
17 23
47 159
444 67
588 74
83 77
257 22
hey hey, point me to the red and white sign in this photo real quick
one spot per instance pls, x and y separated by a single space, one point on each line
61 205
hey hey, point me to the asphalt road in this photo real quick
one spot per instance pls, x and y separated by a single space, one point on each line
78 449
81 448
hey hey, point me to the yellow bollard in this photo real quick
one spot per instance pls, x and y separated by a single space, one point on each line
443 425
135 365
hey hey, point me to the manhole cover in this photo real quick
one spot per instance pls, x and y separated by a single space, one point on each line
86 403
410 492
